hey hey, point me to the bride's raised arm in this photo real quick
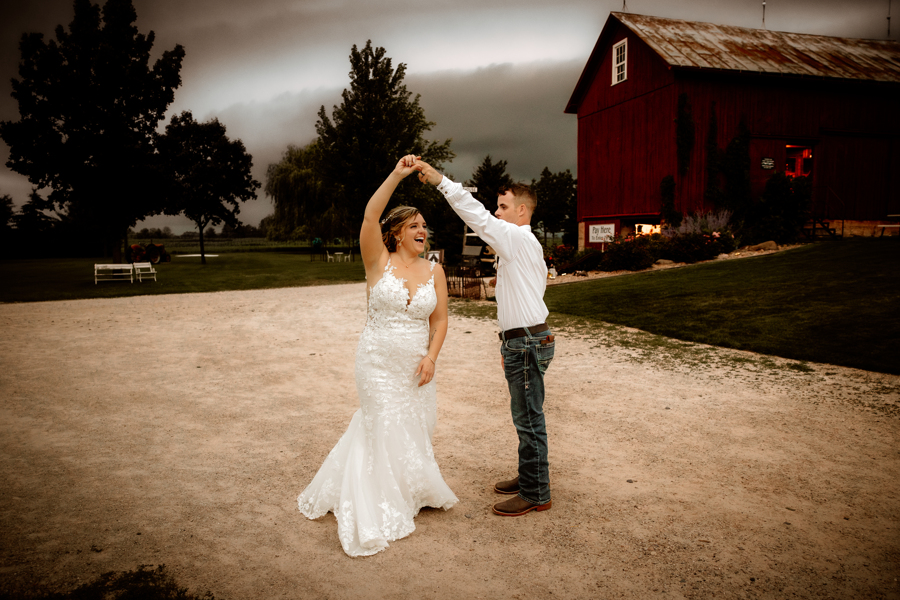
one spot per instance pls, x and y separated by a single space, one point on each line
371 245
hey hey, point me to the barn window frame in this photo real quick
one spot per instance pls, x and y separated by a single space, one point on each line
620 62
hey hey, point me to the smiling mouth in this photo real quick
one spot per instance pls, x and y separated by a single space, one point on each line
420 240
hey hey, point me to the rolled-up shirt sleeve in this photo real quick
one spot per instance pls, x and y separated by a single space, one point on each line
499 235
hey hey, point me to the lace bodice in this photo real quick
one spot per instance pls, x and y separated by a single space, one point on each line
389 298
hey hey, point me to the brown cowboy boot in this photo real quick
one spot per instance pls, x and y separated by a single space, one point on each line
507 487
517 506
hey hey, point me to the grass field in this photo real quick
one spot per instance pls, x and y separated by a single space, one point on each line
68 279
216 245
835 303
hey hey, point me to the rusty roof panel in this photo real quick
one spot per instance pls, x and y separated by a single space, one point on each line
710 46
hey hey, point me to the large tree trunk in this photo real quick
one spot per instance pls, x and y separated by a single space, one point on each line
202 251
116 250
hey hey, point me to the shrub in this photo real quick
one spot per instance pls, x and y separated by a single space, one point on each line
689 248
563 254
704 222
781 211
695 247
629 254
586 260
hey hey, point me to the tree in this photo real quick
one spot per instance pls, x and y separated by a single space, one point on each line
667 211
711 192
557 202
737 195
89 104
36 232
265 225
684 134
6 215
378 122
209 173
781 212
295 186
489 178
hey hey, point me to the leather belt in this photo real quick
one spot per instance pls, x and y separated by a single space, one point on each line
518 332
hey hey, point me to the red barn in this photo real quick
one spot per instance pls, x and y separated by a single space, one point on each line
820 106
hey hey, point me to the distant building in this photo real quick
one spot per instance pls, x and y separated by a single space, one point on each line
820 106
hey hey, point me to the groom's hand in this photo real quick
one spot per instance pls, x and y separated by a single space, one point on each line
427 173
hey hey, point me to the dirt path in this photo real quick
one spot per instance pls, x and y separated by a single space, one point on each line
180 429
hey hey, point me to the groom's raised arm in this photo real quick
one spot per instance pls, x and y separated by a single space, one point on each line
496 233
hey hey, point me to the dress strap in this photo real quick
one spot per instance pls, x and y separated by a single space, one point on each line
433 263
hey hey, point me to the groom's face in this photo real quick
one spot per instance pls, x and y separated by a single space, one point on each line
507 209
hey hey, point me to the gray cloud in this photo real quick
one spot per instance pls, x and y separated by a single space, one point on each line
512 112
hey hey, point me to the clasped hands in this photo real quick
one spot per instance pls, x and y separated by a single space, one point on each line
427 173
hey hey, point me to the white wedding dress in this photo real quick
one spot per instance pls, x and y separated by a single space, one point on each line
382 471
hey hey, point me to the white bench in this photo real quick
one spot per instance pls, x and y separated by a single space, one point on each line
144 269
113 273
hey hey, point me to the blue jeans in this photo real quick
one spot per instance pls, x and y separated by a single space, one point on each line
525 361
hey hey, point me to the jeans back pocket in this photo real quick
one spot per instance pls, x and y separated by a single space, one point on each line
544 354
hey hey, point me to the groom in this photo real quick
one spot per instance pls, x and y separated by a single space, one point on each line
527 344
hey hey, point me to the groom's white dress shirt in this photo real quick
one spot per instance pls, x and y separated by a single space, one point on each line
521 274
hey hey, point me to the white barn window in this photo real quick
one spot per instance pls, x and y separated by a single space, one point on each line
620 60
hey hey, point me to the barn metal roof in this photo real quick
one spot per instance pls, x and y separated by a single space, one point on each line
724 47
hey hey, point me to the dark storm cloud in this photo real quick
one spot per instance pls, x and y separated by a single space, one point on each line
512 112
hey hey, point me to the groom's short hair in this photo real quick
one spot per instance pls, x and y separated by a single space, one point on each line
523 193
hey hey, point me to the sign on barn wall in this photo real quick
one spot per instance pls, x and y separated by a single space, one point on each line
601 233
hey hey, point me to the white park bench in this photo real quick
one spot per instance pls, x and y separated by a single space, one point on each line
113 273
144 269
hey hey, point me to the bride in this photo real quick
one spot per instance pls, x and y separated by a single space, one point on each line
382 471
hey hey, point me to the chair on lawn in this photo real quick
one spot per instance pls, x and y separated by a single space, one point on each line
330 258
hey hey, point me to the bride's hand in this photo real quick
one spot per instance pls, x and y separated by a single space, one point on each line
426 370
405 165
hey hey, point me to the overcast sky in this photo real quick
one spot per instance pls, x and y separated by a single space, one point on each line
494 76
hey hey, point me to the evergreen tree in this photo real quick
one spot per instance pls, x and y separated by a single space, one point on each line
684 134
489 178
667 210
557 202
89 104
7 209
735 168
712 193
378 122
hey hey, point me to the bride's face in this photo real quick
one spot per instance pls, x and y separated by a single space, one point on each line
414 234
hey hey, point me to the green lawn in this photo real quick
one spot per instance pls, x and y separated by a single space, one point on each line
832 302
71 278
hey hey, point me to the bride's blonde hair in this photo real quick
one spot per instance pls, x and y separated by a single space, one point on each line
393 224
